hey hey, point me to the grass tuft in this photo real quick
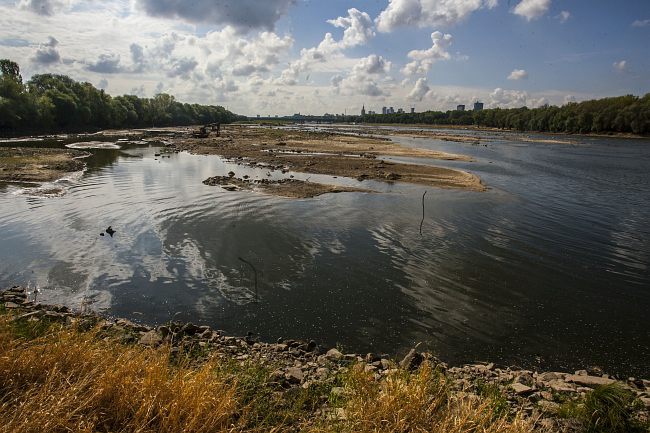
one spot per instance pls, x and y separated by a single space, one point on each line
608 409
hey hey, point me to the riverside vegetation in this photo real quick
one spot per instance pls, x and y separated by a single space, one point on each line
50 102
63 371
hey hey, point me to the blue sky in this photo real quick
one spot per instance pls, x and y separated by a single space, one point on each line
274 56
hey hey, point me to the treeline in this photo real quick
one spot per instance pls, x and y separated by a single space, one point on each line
49 102
624 114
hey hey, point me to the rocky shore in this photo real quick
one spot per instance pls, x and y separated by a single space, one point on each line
543 398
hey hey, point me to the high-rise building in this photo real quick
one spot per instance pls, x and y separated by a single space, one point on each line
400 111
460 108
412 110
384 110
363 110
391 110
478 106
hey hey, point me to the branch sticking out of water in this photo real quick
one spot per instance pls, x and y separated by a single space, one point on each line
422 222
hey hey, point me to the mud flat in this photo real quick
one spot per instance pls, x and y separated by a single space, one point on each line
38 164
290 188
331 154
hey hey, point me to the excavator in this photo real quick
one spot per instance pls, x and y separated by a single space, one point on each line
204 133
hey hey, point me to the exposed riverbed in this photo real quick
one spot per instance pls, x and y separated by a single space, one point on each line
548 267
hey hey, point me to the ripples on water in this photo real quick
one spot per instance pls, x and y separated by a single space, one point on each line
548 268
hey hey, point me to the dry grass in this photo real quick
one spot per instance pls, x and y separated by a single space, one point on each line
57 379
419 402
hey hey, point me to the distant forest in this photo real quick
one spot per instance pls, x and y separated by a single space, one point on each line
622 114
50 103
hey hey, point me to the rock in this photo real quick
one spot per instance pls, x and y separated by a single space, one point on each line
561 386
191 329
151 338
590 381
412 360
521 389
334 354
294 375
525 378
581 373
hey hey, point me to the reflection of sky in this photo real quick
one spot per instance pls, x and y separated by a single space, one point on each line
497 275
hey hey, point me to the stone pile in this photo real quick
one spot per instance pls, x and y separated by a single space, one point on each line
294 363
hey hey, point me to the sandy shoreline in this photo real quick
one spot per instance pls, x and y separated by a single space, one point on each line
344 155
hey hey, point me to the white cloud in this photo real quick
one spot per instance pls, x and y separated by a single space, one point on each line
532 9
365 78
47 54
428 13
564 16
620 66
42 7
420 90
359 28
641 23
241 14
422 60
518 74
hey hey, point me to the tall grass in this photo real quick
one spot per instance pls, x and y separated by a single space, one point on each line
58 379
418 402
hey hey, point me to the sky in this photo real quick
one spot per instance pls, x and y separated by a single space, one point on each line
280 57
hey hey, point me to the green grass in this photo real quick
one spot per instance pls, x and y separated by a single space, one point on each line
609 409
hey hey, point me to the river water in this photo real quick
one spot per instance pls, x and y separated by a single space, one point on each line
547 269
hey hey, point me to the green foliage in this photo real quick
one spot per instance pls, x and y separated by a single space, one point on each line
623 114
51 102
498 400
608 409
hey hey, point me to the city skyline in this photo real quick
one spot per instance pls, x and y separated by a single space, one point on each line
288 56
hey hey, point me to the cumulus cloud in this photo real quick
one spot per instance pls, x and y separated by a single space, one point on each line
47 53
564 16
422 60
106 64
365 77
641 23
242 14
137 57
420 90
518 74
620 66
428 13
42 7
508 98
532 9
182 67
103 84
359 28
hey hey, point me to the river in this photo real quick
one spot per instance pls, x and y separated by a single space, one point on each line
547 269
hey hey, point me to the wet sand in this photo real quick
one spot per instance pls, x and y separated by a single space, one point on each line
290 188
329 153
26 164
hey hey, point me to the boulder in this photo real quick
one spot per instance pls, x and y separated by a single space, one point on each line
589 381
334 354
294 375
521 389
151 338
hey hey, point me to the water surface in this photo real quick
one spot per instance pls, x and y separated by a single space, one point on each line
547 269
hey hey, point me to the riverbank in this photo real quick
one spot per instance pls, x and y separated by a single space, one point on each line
329 153
62 370
28 164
